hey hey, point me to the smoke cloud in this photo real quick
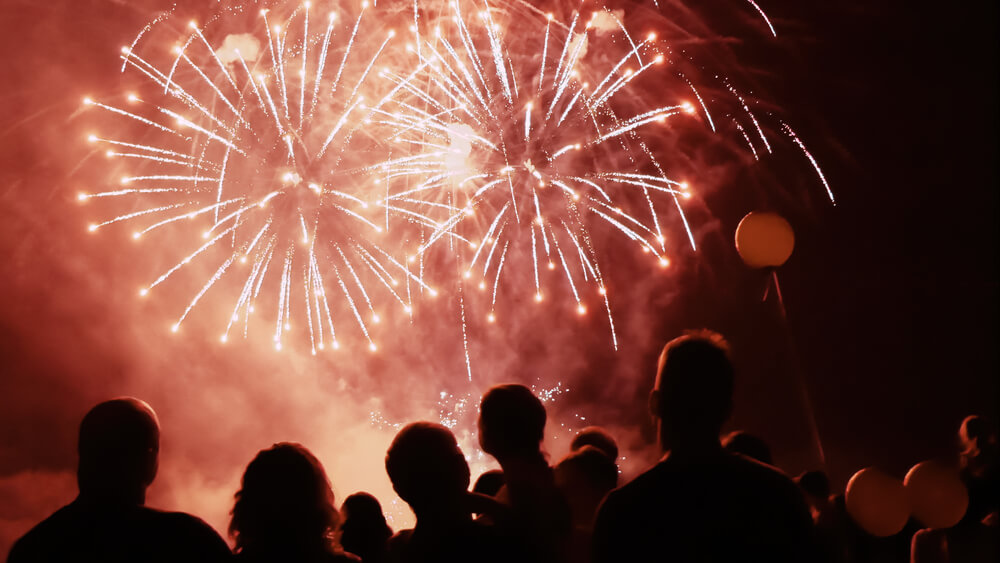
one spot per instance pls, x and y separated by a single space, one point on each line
237 44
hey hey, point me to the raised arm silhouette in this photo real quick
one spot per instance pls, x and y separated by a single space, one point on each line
511 429
429 472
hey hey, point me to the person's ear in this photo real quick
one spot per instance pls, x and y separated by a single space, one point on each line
654 403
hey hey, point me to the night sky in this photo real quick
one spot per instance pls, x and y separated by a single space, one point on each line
891 295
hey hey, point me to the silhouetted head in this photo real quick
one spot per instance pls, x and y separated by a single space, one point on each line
364 529
427 468
511 422
975 434
285 503
745 443
118 448
816 486
585 476
362 507
597 437
489 483
588 467
693 395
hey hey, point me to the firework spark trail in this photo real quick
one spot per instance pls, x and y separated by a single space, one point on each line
767 20
270 169
753 119
697 95
791 133
534 175
743 132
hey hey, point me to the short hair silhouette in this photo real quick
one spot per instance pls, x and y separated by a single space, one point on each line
118 446
597 437
694 386
426 466
489 483
511 421
285 502
589 468
364 531
749 445
363 508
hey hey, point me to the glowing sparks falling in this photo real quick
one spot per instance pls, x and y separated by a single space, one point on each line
527 153
323 172
269 159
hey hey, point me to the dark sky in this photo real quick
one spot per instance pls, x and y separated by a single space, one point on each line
891 295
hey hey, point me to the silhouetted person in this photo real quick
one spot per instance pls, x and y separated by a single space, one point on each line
597 437
701 503
831 535
511 428
585 476
429 472
489 483
967 542
284 510
746 444
977 536
108 522
364 531
980 462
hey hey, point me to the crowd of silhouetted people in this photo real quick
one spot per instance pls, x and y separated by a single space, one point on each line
709 499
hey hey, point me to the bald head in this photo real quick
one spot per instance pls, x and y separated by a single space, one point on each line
118 447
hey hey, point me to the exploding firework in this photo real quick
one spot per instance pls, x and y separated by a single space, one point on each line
543 138
530 138
325 162
256 132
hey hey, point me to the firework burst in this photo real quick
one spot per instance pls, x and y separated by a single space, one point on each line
257 133
531 138
327 163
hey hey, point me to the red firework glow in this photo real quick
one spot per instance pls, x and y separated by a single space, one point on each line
309 178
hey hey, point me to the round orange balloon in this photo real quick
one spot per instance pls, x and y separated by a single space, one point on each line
877 502
764 240
937 494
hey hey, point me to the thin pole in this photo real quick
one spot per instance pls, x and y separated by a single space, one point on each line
796 366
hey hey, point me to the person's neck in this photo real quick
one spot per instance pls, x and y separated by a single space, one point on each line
518 463
112 497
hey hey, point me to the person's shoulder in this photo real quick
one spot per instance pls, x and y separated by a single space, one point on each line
645 482
187 528
342 557
638 491
399 539
44 535
182 521
762 474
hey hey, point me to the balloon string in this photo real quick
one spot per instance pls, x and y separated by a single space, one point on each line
803 388
777 291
